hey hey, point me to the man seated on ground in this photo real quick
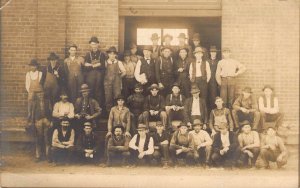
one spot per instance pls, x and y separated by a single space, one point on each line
182 146
218 115
245 108
62 109
202 143
249 144
175 105
225 148
273 149
87 144
118 146
154 107
161 144
269 108
63 143
141 146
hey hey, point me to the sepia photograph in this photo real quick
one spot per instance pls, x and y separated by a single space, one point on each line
149 93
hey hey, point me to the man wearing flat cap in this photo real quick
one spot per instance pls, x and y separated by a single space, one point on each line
182 66
54 81
227 71
114 73
154 107
86 109
269 108
202 143
249 143
165 71
195 108
74 75
141 146
155 46
145 70
182 145
245 108
94 68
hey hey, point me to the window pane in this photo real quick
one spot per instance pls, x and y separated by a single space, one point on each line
175 33
144 35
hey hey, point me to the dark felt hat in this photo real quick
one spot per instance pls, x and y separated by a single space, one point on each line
94 39
183 48
176 84
141 127
153 86
52 56
247 90
154 36
84 88
195 90
127 53
132 45
120 97
138 85
213 49
88 124
182 124
112 49
197 122
149 48
268 86
196 36
34 62
165 47
198 49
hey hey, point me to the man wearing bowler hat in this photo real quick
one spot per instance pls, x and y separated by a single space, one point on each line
94 68
145 70
269 108
154 107
195 108
245 108
114 73
86 109
155 46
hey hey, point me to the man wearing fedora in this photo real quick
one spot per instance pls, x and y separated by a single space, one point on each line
213 89
62 109
155 46
154 107
200 72
245 108
145 70
225 148
249 143
73 70
86 109
182 145
197 43
219 115
87 144
128 81
195 108
269 108
33 85
182 44
227 71
118 146
165 71
202 143
182 66
175 105
135 103
141 146
114 73
54 81
94 68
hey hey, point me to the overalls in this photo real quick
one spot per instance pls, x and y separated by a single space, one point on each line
75 79
51 88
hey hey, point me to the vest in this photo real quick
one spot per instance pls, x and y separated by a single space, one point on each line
120 142
177 143
180 99
146 141
265 101
89 141
63 138
203 70
148 69
150 105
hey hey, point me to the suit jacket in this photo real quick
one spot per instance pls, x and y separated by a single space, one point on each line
188 110
217 143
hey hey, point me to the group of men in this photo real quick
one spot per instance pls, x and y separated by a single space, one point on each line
144 96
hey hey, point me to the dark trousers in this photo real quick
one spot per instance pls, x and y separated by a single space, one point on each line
162 116
228 159
187 156
135 160
82 158
162 153
227 91
135 120
167 81
277 118
43 138
74 84
94 79
269 155
174 115
213 92
128 86
203 154
62 155
117 155
185 85
239 116
202 85
244 157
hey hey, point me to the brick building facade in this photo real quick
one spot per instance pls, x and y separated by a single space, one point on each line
263 34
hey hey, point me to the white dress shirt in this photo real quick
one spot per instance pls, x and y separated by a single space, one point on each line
196 107
140 147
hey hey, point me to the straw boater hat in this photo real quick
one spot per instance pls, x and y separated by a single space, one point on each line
154 36
84 88
94 39
34 62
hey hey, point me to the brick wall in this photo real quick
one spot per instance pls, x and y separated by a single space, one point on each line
34 28
264 35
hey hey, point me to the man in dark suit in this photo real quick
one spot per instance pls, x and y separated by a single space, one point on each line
225 147
195 108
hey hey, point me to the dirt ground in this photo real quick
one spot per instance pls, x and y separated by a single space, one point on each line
18 169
